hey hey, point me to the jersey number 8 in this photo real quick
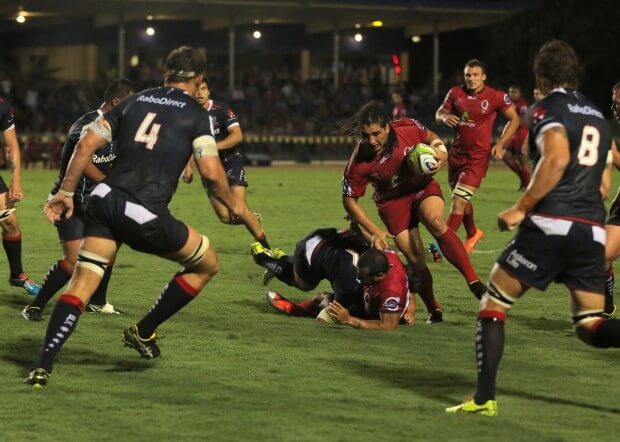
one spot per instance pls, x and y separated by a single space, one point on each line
588 149
149 138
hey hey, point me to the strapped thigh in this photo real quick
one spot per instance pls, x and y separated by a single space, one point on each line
196 256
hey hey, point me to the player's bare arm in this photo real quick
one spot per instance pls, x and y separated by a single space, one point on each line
235 136
14 158
509 130
446 117
339 313
96 137
555 156
93 173
358 214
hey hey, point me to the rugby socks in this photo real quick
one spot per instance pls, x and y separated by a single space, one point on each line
468 220
100 295
13 248
426 290
283 267
489 349
56 278
62 322
262 239
454 221
453 250
606 333
309 308
174 296
609 290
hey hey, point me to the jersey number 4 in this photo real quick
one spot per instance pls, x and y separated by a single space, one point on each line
144 135
588 149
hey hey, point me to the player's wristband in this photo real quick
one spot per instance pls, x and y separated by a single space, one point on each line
526 203
65 193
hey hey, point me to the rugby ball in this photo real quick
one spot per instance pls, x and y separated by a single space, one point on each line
421 159
324 317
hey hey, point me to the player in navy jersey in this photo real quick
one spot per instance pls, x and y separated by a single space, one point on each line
71 231
228 136
9 196
559 218
612 228
155 131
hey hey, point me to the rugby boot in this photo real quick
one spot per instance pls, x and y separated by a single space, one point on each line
279 302
37 378
106 309
25 282
489 408
472 241
31 313
146 347
435 252
435 317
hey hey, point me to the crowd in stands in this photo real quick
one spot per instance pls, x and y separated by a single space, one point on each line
267 102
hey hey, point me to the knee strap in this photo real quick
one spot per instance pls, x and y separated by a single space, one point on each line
4 214
462 192
586 316
498 296
197 254
92 262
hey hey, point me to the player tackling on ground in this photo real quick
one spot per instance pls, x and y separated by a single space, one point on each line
560 220
157 131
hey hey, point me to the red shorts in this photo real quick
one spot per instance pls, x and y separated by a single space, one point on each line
468 171
516 142
402 213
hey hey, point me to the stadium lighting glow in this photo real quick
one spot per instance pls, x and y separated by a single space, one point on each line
257 34
358 26
134 61
149 17
416 38
20 18
150 31
376 23
358 37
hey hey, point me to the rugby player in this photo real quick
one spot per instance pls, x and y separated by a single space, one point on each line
515 154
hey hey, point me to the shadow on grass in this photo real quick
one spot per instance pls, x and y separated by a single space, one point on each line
23 353
442 385
18 302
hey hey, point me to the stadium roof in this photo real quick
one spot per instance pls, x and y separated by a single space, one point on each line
413 16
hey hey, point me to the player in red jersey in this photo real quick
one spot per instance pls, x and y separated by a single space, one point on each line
402 197
515 155
400 109
385 292
471 110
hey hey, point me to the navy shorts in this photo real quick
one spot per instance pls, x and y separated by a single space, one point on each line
71 229
3 187
112 214
549 249
233 166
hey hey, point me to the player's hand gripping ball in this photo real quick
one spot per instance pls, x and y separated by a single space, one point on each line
421 159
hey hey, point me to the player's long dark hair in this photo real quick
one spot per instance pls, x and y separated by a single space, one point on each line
370 113
556 64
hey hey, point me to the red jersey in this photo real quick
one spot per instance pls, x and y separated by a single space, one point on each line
390 294
388 173
477 111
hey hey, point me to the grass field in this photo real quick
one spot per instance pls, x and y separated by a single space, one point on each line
233 369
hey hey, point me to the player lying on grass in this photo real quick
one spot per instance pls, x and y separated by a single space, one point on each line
323 254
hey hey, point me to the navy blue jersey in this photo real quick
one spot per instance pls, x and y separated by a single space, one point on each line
333 241
154 131
7 119
222 119
102 158
577 194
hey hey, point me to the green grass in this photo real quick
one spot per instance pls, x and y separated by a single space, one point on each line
233 369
